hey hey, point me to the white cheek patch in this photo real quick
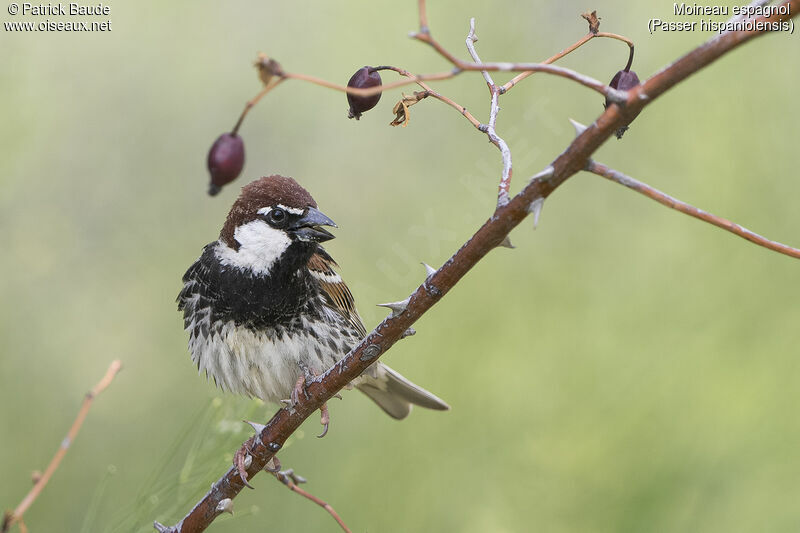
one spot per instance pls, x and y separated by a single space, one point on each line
259 247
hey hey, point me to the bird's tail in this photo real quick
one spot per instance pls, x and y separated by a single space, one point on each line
395 394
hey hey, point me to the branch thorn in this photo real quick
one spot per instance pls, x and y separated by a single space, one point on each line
396 307
225 506
544 174
429 269
507 243
258 428
536 209
579 128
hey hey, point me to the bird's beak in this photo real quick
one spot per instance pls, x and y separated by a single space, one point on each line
308 229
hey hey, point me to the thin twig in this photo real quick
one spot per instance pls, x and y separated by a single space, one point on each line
423 16
489 129
529 68
470 42
687 209
580 42
586 81
249 105
17 514
291 485
505 180
433 94
372 90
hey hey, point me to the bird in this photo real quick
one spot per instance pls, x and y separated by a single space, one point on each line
265 306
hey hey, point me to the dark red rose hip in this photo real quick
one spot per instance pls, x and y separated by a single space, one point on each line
624 80
225 161
364 78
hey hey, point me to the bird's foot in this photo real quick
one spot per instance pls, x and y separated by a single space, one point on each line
242 459
300 388
294 396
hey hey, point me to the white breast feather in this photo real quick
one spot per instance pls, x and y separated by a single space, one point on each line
251 363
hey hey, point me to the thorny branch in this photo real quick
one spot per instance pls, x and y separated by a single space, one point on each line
593 32
16 516
492 234
683 207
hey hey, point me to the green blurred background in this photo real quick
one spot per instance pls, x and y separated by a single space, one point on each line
626 368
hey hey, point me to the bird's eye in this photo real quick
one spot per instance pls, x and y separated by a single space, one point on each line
277 217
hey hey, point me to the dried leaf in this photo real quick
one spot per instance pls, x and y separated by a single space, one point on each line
593 20
401 114
401 108
267 68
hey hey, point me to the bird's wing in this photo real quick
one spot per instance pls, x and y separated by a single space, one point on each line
199 290
334 290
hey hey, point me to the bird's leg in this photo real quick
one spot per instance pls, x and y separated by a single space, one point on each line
242 459
300 387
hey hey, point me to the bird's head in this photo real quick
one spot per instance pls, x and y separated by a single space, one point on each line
272 215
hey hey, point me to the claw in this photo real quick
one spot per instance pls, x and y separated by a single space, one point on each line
240 461
324 419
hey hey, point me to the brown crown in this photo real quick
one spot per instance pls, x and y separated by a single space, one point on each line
268 191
